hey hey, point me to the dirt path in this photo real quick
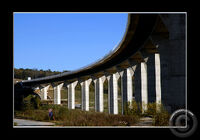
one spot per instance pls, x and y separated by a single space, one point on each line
145 121
22 122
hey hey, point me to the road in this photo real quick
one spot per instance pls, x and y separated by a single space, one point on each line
22 122
145 121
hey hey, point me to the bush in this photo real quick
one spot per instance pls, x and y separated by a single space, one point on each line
15 124
133 109
31 102
161 119
60 113
20 93
36 102
151 111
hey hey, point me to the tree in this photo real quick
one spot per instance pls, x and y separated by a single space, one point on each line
33 73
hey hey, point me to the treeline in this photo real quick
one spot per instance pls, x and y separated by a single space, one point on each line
33 73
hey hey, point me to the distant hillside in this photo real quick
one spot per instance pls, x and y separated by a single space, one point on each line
33 73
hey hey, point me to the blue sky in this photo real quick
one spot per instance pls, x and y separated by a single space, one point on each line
65 41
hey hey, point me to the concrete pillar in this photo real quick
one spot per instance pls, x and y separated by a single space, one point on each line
158 81
113 93
144 86
126 87
150 64
99 93
71 95
137 84
44 91
141 87
85 94
57 93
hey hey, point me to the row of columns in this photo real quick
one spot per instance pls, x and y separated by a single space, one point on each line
140 73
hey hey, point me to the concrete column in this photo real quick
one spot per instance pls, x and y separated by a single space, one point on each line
126 87
57 93
44 91
113 93
71 95
144 86
137 84
85 94
158 80
151 80
99 93
141 92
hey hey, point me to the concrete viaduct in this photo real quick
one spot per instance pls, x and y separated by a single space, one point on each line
153 50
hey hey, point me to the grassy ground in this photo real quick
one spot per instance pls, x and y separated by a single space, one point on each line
65 117
77 117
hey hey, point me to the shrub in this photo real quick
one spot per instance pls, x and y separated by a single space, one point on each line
39 115
15 124
161 119
31 102
60 113
27 104
133 109
36 102
151 111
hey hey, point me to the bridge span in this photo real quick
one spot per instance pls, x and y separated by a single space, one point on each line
152 50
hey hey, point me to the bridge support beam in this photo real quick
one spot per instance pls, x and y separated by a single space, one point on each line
126 87
99 93
44 91
57 93
85 94
71 95
113 93
141 87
